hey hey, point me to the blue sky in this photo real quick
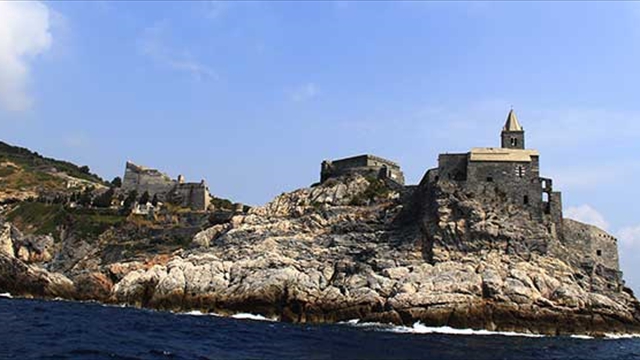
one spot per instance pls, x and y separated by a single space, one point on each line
253 96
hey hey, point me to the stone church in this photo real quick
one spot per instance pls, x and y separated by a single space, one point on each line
511 169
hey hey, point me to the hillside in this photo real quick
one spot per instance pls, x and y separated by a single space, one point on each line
26 174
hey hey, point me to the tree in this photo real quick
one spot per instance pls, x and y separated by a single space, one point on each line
129 202
116 182
145 198
104 200
155 200
86 197
85 169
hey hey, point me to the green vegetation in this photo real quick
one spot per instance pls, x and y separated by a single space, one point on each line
219 203
43 219
104 200
6 171
116 182
144 198
32 161
376 190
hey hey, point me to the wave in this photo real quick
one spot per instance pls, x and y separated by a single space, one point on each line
6 295
621 336
419 328
248 316
238 316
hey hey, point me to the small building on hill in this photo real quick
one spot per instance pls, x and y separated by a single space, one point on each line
368 165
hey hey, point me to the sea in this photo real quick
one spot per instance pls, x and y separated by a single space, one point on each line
37 329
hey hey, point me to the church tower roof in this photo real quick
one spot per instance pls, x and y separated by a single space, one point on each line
512 123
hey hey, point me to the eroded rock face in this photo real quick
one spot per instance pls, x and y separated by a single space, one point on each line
310 256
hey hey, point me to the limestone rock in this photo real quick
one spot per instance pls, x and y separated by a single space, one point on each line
312 256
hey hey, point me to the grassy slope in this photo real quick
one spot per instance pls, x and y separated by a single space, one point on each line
34 162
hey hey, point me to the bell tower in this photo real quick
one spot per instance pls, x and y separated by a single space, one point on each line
512 133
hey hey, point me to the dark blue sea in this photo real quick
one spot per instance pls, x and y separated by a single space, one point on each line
35 329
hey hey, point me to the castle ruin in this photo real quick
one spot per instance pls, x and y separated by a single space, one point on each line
367 165
142 179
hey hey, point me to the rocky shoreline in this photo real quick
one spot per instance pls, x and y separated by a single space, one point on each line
315 255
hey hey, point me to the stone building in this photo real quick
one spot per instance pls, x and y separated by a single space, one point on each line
513 172
368 165
141 179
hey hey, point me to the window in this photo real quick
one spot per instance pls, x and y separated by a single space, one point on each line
520 171
526 200
599 252
489 179
514 141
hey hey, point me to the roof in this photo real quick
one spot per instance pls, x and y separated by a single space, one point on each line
366 157
501 155
512 123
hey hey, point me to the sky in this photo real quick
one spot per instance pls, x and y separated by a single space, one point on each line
252 96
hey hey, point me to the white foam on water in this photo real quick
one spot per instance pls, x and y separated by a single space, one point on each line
247 316
193 313
6 295
621 336
419 328
582 337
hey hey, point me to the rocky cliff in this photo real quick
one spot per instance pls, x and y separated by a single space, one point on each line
351 248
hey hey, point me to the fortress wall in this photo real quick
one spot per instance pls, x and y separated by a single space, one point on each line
142 180
193 195
555 211
592 243
453 166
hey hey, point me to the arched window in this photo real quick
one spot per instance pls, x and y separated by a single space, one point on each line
514 141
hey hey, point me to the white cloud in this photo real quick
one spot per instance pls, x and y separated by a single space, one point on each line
630 237
153 43
304 92
24 34
587 215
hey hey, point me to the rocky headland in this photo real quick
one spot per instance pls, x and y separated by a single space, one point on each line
353 247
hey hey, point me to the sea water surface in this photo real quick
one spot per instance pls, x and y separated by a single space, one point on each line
36 329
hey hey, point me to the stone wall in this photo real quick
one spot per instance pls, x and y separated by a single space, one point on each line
143 179
453 166
518 181
367 165
592 245
193 195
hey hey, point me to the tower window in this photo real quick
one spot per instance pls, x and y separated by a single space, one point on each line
520 171
489 179
514 141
